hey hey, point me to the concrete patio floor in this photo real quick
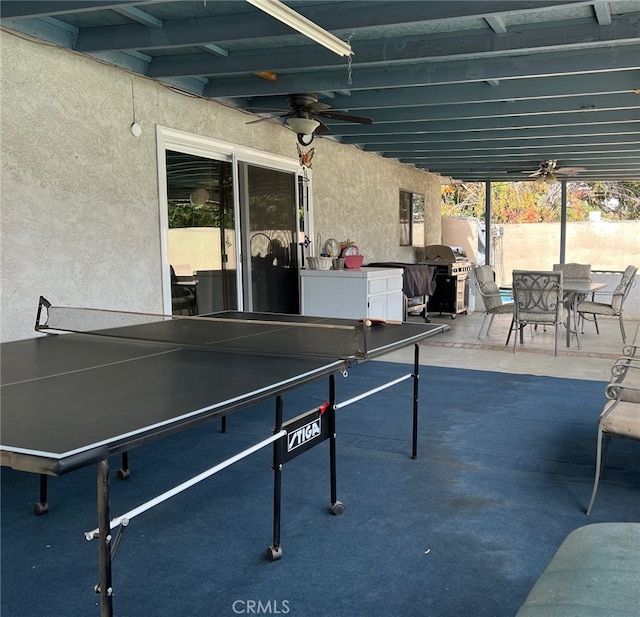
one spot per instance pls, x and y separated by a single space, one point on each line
461 348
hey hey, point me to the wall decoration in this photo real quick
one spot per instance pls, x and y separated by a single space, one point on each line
305 156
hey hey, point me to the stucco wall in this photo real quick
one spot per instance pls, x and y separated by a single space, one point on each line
461 232
357 198
79 203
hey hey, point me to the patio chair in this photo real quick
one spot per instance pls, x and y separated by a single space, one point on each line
491 297
183 299
537 298
574 272
615 307
633 348
621 414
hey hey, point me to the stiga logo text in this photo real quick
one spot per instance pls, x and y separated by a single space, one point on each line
304 434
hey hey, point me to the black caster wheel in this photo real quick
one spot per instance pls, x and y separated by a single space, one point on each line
123 474
274 553
40 508
453 316
337 508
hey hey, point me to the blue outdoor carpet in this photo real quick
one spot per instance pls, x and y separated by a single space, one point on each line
504 473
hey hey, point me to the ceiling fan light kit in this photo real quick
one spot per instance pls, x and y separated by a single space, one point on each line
303 126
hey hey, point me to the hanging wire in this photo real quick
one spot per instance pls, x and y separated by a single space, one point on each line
350 61
133 101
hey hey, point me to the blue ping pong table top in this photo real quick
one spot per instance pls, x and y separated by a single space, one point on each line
70 400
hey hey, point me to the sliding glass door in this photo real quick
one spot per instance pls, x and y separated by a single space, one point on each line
201 236
231 221
269 220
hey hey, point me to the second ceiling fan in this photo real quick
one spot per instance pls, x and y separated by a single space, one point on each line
549 171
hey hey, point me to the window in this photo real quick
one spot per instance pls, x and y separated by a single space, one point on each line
411 219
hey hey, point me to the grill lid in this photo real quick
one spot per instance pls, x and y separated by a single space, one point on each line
441 253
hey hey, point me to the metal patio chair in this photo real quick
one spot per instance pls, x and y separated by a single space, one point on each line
574 272
537 296
621 414
491 297
615 307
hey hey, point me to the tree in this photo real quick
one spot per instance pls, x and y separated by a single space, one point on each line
620 200
533 202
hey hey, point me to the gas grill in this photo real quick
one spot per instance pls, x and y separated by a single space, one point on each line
452 279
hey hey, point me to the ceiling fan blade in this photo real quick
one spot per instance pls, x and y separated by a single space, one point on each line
570 171
264 110
336 115
323 128
317 107
281 115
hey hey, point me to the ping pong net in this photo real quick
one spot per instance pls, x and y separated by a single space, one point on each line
249 333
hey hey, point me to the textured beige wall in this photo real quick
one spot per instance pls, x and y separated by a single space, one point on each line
357 198
461 232
79 218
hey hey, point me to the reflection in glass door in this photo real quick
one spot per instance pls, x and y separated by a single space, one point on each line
270 219
201 242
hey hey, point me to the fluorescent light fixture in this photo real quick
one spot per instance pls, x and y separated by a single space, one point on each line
303 126
303 25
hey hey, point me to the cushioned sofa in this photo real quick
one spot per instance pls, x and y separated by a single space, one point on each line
594 573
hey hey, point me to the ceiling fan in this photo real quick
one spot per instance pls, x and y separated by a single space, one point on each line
305 115
549 171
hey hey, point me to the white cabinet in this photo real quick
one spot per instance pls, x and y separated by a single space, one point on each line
375 293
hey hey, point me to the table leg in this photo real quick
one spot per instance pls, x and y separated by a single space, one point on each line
574 305
42 506
416 377
572 314
105 588
124 472
337 507
274 552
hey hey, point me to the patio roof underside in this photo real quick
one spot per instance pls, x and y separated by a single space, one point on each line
474 91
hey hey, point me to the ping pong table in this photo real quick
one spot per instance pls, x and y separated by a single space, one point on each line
102 383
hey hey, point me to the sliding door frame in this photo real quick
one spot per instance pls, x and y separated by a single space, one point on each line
198 145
